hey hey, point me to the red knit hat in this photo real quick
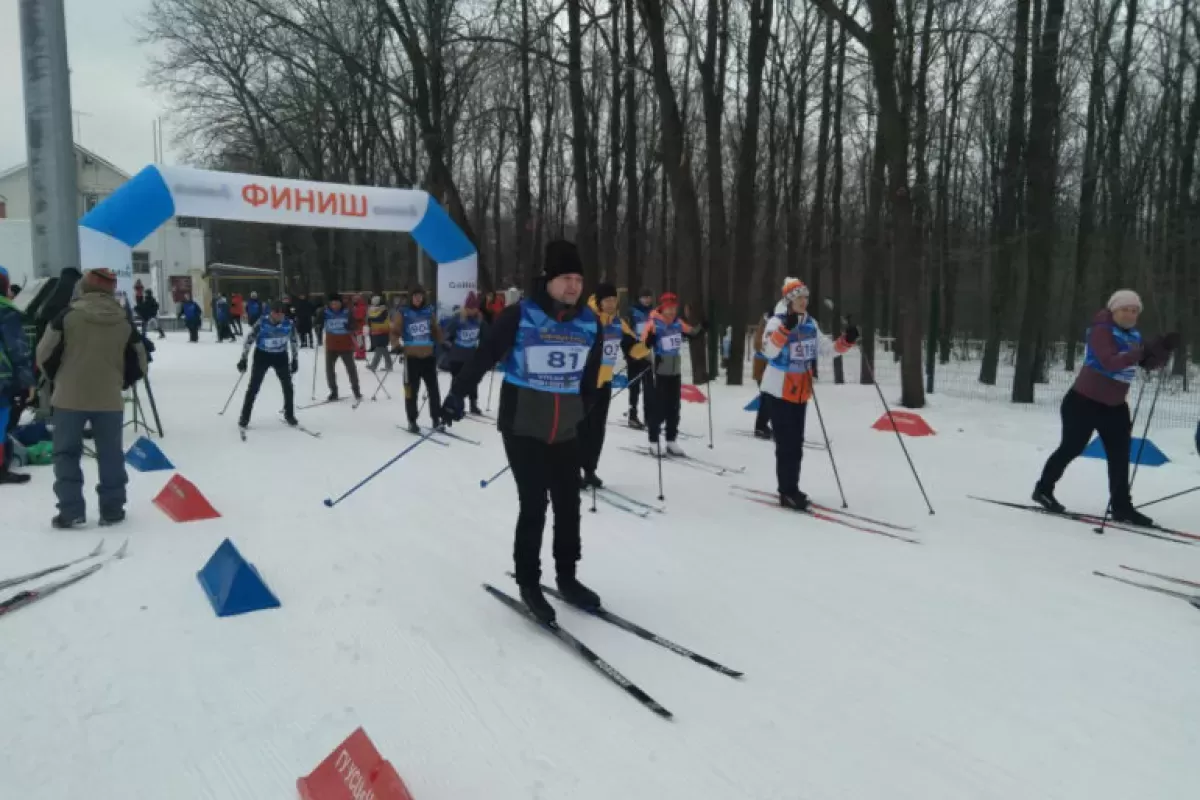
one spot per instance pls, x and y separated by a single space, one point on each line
668 299
472 301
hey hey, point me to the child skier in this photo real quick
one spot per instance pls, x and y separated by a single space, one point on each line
380 328
639 316
273 338
664 335
339 346
792 341
617 337
762 420
419 332
463 334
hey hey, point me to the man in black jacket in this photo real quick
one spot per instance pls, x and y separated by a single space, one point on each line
552 349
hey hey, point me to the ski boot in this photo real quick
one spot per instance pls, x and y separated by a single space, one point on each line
591 480
1044 497
110 518
64 522
413 427
674 449
333 397
537 604
636 423
10 478
290 420
797 500
763 433
577 594
1129 515
476 410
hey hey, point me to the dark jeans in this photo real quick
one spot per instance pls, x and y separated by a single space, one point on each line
663 397
545 471
236 324
305 335
788 421
262 363
592 428
1080 418
417 370
473 395
764 412
193 332
636 368
107 427
347 358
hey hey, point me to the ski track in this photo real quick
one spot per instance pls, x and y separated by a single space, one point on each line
987 664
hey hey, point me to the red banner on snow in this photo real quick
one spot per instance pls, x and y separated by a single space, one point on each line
354 771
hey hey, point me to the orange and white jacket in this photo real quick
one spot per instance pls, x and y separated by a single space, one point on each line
791 353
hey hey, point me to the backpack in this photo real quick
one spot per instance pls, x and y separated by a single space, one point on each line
133 371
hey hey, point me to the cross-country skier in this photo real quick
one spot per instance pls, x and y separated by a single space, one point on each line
639 316
552 349
380 329
792 342
618 337
273 338
418 331
463 334
762 419
664 334
339 346
1096 403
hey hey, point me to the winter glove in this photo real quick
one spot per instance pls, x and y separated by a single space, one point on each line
851 334
242 365
295 365
791 320
452 410
1171 341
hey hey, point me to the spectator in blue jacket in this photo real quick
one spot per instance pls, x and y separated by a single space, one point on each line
254 309
189 312
16 375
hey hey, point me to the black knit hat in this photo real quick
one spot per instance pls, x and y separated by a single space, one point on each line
277 305
562 258
605 290
418 289
646 293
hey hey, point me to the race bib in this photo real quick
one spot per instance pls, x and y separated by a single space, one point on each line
418 329
555 360
672 342
467 337
803 351
611 348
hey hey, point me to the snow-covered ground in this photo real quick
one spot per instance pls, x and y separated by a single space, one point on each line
988 662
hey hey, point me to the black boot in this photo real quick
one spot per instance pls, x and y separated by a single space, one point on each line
333 396
413 427
290 419
12 478
1044 497
763 433
577 594
114 517
634 422
1129 515
591 480
64 523
535 601
796 500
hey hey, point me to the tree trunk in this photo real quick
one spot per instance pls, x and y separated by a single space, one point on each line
523 214
632 203
836 246
585 214
1120 214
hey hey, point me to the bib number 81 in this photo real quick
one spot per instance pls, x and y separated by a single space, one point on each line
545 359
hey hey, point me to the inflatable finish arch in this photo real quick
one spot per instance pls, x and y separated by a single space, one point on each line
108 233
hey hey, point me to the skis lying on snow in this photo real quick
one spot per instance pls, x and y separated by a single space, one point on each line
30 596
1161 577
1194 599
1091 519
422 433
649 636
630 500
617 502
585 652
688 461
319 403
442 432
302 429
831 510
10 582
823 513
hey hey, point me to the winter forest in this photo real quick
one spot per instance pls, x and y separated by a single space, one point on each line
969 181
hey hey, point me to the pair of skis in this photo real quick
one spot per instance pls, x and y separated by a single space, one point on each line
1193 599
1163 533
30 596
357 402
443 432
703 465
297 427
590 656
624 502
753 435
825 513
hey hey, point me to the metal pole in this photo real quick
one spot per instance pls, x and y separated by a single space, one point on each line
53 183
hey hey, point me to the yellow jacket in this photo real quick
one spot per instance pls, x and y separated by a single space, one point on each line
633 348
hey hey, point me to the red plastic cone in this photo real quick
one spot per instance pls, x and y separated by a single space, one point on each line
691 394
908 423
182 502
354 769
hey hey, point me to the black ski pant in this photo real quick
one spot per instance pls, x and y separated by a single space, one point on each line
1081 417
764 412
193 332
473 395
417 370
305 335
545 472
592 428
663 397
347 358
236 324
788 421
636 369
263 362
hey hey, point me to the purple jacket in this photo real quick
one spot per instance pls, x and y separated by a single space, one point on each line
1101 388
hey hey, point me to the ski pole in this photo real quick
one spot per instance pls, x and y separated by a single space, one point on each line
225 407
828 445
488 482
330 503
491 380
382 378
1170 497
1137 462
899 438
708 389
316 361
657 418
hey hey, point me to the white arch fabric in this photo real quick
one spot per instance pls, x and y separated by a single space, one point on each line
109 232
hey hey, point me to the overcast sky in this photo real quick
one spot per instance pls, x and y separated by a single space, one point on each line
108 70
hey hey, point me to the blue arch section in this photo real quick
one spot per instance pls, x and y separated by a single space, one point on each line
135 210
440 237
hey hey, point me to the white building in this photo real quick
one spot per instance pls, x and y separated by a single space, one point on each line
175 251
